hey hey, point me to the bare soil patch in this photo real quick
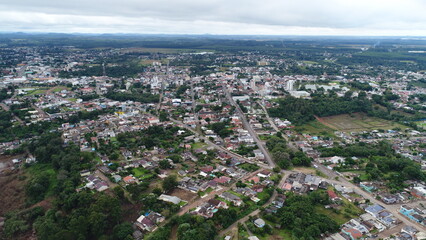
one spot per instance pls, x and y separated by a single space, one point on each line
182 194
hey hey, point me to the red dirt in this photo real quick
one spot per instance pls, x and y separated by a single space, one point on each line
12 190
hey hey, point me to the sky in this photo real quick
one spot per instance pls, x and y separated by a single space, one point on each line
224 17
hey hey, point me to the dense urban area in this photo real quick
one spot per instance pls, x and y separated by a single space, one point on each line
206 137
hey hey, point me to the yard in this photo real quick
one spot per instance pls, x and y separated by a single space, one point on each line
198 145
346 212
142 173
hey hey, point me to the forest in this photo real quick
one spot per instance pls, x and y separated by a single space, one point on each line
73 214
299 216
300 111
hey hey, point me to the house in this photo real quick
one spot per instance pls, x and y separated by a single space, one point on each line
144 223
217 203
222 180
260 223
232 198
287 186
332 195
253 238
264 174
254 179
352 233
206 170
148 222
374 209
129 179
336 236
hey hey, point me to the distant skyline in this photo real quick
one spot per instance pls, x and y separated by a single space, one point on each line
224 17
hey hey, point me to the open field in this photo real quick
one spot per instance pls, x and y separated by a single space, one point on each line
59 88
182 194
316 128
357 122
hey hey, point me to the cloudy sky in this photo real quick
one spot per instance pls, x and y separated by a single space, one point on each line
269 17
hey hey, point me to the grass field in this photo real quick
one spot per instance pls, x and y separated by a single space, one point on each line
142 173
316 128
39 91
357 122
59 88
198 145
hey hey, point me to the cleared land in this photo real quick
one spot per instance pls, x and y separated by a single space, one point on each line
316 128
357 122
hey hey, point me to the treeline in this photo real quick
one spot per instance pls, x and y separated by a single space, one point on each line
358 150
305 70
114 71
136 97
300 217
300 111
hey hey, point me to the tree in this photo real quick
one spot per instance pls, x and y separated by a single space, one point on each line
164 164
123 231
169 183
119 192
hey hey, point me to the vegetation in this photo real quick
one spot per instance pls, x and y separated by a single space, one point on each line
300 111
379 161
283 156
299 216
133 96
74 215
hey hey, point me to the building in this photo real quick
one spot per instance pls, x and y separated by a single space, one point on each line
260 223
170 199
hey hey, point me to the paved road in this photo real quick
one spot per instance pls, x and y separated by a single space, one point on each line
274 126
40 111
220 148
257 211
394 208
248 127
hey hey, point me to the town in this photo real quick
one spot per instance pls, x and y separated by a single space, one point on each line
253 143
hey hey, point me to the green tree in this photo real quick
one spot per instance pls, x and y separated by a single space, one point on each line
169 183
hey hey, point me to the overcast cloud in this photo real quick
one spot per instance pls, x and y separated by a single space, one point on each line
275 17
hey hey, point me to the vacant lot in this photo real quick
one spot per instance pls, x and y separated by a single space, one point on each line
182 194
316 128
357 122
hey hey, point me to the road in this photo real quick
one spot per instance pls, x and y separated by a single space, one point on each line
212 194
6 108
247 126
272 123
40 111
394 208
220 148
257 211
